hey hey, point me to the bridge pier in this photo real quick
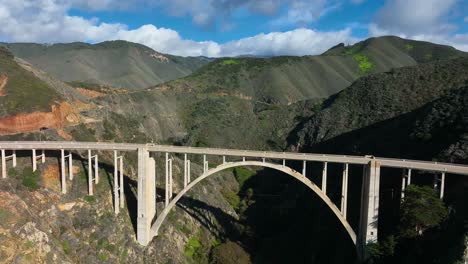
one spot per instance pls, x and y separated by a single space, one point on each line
442 185
344 190
4 159
118 183
185 170
35 158
4 172
146 195
369 217
324 178
90 171
166 182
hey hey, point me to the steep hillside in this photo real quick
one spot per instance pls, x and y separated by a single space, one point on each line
114 63
21 91
380 97
285 80
391 51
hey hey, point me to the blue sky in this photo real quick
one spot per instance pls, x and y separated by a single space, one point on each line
234 27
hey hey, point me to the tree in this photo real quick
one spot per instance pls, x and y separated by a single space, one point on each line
421 209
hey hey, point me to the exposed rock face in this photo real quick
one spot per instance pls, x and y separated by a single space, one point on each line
61 116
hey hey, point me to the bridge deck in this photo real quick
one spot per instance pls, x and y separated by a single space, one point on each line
103 146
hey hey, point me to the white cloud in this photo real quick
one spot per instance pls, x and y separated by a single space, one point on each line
303 12
296 42
48 21
415 16
425 20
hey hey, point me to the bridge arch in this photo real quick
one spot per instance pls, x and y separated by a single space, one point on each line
287 170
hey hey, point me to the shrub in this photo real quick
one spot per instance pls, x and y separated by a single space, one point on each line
409 47
421 209
242 175
228 253
66 247
90 199
232 198
192 246
30 179
365 65
230 62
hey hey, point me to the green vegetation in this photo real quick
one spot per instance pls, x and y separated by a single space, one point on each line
66 247
229 253
230 62
90 199
242 175
103 256
12 173
421 209
409 47
109 130
30 179
85 134
232 198
29 244
365 65
192 246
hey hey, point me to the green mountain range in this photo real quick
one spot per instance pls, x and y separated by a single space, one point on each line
113 63
285 80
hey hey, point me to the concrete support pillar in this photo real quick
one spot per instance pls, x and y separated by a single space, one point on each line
403 186
224 159
188 171
166 195
170 179
90 173
4 171
13 156
146 196
96 169
284 162
116 184
70 164
369 205
263 160
62 167
409 177
442 185
43 156
34 160
344 191
324 177
204 163
121 185
304 168
243 159
185 170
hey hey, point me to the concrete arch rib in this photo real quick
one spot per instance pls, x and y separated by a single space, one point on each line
160 219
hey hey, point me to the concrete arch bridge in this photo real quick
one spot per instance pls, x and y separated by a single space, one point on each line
149 223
